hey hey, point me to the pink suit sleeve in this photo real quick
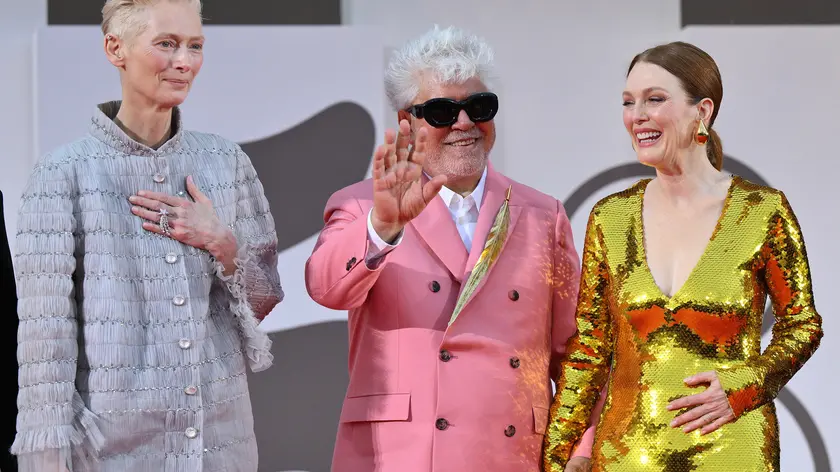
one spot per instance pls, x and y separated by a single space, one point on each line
336 274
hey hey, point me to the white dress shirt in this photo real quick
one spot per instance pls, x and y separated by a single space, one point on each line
464 211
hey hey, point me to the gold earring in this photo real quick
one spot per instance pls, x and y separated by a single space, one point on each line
702 135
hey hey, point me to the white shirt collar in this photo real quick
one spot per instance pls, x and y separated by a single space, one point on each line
448 195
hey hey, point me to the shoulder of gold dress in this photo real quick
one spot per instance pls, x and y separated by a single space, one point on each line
752 193
749 186
616 204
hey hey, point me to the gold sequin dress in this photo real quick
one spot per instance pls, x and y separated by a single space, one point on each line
645 343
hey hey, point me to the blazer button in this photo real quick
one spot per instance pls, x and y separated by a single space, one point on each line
434 286
445 356
510 431
514 362
350 263
441 424
513 295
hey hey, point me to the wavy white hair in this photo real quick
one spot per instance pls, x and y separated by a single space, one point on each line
451 54
122 17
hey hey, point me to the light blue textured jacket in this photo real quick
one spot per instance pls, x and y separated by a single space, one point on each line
132 346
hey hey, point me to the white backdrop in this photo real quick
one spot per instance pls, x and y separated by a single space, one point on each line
561 68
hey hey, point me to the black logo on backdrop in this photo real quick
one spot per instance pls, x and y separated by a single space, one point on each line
301 167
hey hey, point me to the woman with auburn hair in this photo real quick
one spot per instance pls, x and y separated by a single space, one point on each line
146 256
676 272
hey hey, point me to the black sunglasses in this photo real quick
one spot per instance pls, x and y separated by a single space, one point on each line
442 112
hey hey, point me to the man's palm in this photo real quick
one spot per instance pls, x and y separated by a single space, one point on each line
399 193
399 201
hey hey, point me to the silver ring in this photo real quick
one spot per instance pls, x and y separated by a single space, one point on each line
164 221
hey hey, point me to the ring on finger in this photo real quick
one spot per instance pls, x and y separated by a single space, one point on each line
164 221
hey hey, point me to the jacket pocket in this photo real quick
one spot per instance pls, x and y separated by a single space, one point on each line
540 419
380 407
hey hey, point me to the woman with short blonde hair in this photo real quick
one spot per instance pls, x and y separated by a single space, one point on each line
146 257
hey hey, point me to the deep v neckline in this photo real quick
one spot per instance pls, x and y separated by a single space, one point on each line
723 212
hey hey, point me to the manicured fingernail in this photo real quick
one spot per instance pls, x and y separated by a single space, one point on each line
141 193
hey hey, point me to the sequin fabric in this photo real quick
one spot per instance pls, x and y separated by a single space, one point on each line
644 343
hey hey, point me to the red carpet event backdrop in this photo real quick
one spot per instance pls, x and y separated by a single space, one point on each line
305 99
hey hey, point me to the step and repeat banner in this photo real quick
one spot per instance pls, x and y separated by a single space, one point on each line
307 104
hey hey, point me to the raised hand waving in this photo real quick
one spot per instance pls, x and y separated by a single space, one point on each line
399 193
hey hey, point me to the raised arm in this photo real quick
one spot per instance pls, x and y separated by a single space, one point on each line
798 328
350 251
585 365
53 424
346 260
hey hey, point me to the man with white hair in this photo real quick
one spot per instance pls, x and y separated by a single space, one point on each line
461 284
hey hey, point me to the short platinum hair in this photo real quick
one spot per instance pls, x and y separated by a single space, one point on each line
451 55
122 17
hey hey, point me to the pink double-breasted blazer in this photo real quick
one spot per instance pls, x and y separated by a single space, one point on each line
473 396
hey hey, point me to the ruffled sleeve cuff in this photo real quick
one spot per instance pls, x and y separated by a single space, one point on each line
250 293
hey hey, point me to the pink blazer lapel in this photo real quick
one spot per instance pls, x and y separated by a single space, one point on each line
438 231
494 195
